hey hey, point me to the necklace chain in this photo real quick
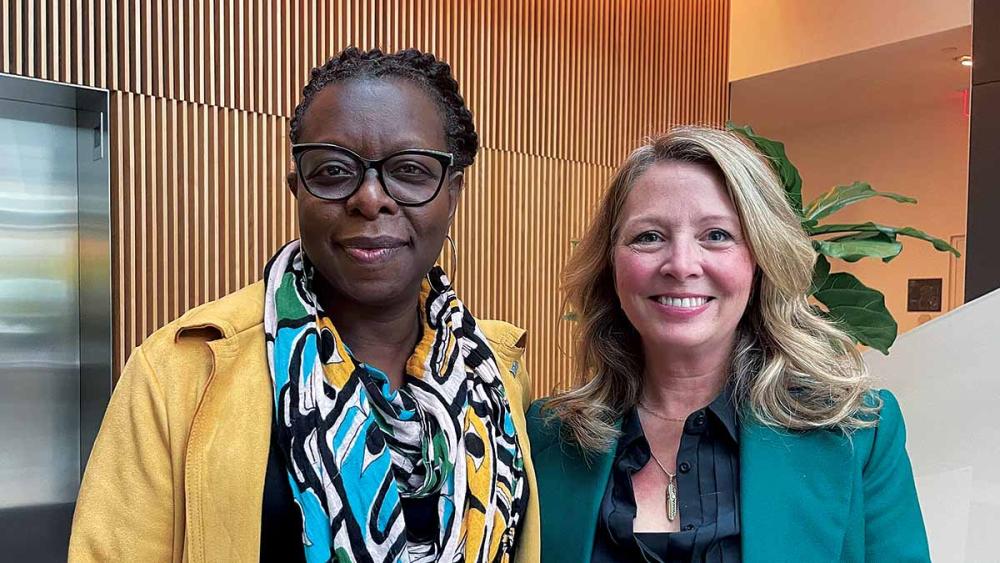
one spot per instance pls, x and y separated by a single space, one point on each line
670 475
658 415
670 499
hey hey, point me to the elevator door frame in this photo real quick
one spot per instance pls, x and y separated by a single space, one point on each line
94 220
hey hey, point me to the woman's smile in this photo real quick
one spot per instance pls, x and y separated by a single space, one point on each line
677 307
373 250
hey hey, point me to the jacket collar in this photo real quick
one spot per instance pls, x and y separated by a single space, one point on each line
227 317
791 485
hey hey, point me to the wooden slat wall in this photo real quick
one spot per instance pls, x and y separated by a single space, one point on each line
202 94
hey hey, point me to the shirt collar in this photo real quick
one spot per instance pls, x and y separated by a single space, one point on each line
631 429
722 408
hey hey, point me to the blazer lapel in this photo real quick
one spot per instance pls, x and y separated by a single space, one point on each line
571 487
795 494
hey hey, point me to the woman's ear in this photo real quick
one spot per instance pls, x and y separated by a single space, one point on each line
455 185
292 179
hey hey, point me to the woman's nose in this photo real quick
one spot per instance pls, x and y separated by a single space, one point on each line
682 261
370 200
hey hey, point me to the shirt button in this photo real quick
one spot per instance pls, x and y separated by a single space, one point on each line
699 419
688 527
684 467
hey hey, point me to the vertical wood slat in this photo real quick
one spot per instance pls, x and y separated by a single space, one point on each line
203 92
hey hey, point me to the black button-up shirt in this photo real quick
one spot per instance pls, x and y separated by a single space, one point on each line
707 493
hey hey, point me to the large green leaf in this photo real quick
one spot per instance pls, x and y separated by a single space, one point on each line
854 250
859 309
821 271
775 150
874 244
867 235
842 196
869 227
939 244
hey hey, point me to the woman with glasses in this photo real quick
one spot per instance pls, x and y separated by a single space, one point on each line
348 407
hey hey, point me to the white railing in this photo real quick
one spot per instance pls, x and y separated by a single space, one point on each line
946 374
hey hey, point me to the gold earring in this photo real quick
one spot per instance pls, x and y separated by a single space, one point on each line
454 258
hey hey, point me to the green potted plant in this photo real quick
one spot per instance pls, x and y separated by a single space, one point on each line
857 308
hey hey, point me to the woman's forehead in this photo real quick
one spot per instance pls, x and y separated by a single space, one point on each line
374 111
678 190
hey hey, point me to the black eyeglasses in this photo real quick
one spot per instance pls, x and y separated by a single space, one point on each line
411 177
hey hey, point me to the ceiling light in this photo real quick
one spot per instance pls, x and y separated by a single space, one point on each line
965 60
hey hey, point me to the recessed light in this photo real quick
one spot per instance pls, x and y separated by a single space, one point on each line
965 60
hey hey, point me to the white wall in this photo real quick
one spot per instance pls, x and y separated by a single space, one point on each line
946 376
769 35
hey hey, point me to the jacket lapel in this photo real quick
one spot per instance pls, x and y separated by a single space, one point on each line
227 453
571 486
795 494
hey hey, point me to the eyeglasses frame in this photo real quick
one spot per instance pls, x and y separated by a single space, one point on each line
445 158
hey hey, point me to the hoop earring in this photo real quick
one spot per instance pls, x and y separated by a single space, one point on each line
454 258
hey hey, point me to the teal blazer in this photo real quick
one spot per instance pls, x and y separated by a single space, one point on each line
804 496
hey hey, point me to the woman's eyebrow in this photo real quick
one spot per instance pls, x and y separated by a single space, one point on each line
654 219
644 218
719 218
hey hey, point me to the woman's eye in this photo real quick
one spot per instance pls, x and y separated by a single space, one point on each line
333 170
647 237
718 235
409 169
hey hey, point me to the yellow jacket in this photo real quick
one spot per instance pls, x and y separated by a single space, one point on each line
177 471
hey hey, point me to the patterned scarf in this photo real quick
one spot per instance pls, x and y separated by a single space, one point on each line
353 446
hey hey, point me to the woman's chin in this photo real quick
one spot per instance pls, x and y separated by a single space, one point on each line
684 341
382 292
368 288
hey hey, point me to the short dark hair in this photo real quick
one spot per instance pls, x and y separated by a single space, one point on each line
424 69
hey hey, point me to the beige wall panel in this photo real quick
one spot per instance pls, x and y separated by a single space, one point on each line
197 205
203 92
534 208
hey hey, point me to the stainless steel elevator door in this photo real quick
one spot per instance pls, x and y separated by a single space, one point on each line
39 323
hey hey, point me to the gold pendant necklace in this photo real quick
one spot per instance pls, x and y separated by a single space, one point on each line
671 493
671 496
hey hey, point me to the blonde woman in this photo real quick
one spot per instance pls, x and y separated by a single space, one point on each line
717 417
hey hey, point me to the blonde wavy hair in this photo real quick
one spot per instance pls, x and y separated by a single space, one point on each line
791 368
